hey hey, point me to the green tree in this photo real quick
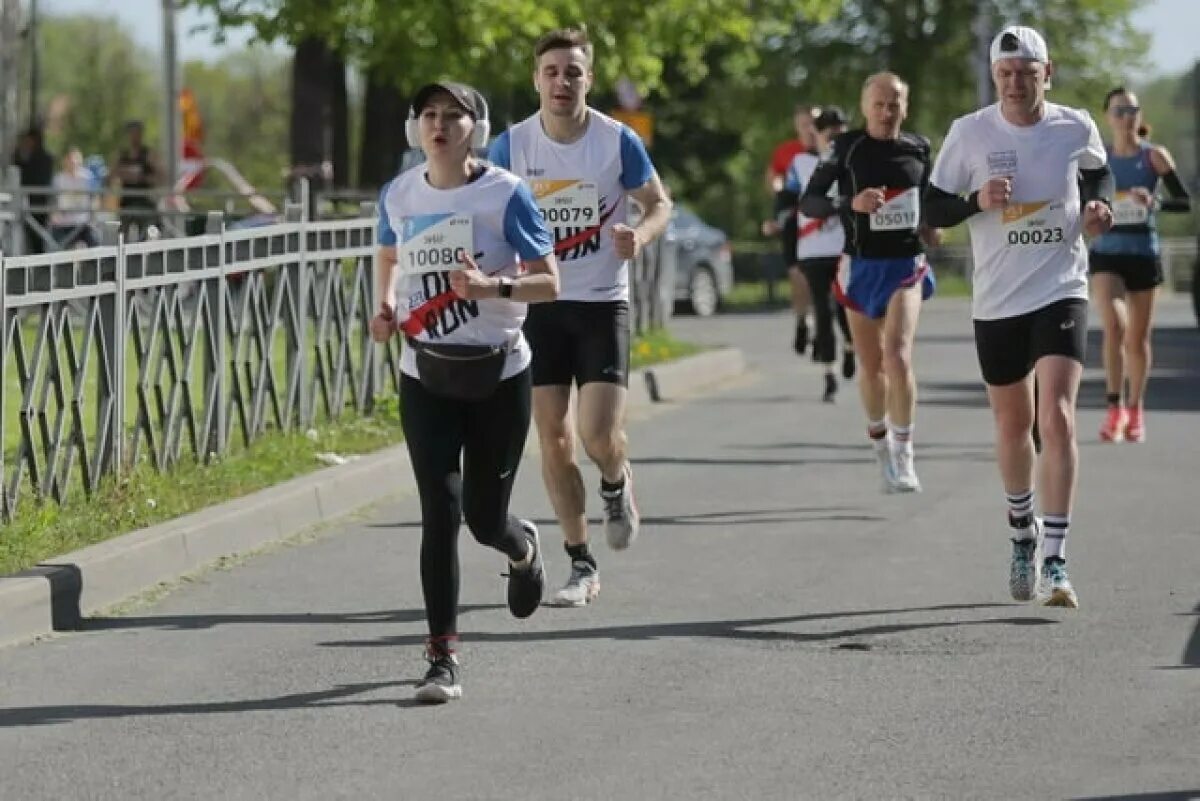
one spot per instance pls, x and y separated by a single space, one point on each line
93 68
1171 105
819 61
244 102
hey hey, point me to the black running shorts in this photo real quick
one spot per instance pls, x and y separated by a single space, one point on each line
1140 273
1008 348
579 342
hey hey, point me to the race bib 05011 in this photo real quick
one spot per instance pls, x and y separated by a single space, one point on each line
1039 224
901 210
1128 211
435 242
567 202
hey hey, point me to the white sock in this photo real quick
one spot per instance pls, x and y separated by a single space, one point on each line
1055 538
1020 505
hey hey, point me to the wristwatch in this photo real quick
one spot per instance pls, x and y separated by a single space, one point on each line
506 287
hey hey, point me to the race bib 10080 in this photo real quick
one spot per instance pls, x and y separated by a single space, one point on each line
1042 223
569 202
901 210
1128 211
435 242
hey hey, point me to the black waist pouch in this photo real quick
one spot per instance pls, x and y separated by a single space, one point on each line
461 372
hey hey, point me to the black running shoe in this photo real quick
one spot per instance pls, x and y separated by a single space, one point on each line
831 388
441 683
526 585
800 343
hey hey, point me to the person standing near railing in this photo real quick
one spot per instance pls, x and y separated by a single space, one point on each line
70 223
136 167
36 166
463 249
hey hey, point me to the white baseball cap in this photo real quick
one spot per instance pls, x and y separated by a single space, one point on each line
1017 41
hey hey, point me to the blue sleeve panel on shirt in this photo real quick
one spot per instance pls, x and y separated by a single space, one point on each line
385 234
791 181
636 168
500 153
524 228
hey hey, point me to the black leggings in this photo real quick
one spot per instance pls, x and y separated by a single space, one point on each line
820 274
465 456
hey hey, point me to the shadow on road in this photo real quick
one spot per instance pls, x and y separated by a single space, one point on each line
739 517
1191 652
200 622
746 629
1178 795
1174 378
43 715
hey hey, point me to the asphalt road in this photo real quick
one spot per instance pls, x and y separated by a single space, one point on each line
782 630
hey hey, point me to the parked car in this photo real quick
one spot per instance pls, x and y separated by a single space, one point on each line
703 266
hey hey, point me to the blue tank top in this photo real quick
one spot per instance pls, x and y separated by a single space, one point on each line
1136 238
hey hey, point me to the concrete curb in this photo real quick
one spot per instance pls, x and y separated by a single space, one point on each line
59 595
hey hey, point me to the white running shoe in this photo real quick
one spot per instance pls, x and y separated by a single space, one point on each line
621 518
581 588
905 475
1055 588
1023 567
887 468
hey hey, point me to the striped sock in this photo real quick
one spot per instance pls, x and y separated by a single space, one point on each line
1020 514
1020 503
1057 527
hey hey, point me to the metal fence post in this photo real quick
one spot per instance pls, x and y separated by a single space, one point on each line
214 358
5 501
296 339
374 367
112 341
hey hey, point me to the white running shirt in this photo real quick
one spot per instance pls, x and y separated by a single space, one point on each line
816 239
1031 253
581 189
493 215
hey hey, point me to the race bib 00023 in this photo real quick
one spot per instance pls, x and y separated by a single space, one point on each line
1042 223
435 242
901 210
567 202
1128 211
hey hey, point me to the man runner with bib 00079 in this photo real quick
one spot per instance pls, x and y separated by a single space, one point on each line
1037 179
582 165
881 173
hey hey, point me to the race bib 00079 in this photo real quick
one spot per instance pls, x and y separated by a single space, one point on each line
567 202
435 242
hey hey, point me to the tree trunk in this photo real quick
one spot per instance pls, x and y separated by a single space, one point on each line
339 120
383 143
310 101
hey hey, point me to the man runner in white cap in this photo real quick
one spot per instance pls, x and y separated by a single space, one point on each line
1031 178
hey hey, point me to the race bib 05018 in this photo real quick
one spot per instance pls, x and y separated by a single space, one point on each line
1042 223
901 210
435 242
1128 211
571 201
